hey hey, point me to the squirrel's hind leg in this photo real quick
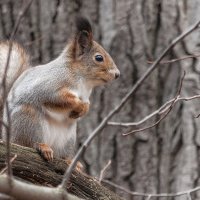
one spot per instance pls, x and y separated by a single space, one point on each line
26 130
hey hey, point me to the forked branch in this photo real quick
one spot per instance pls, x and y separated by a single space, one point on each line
167 111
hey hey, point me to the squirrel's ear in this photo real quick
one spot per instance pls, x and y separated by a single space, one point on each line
83 37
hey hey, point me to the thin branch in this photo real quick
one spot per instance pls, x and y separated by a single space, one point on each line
103 170
165 115
2 123
176 59
197 116
134 89
5 197
184 193
149 197
160 111
16 26
189 196
20 16
9 171
34 41
11 161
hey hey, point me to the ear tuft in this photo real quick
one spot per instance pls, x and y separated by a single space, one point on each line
83 37
82 24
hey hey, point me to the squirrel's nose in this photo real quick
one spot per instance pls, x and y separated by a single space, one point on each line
117 75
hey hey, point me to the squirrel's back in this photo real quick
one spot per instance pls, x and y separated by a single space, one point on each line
19 61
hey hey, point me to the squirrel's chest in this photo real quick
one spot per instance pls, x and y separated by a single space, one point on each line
83 91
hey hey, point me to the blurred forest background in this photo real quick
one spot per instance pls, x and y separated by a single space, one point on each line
165 158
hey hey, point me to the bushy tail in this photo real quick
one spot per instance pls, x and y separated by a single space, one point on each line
19 61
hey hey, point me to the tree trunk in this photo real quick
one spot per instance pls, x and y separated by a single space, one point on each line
164 158
29 166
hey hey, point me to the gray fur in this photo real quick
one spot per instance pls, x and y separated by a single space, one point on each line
33 88
40 85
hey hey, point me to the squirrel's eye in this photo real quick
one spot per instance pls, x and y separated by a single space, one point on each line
99 58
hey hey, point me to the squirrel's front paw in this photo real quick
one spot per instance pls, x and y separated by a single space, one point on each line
81 110
45 151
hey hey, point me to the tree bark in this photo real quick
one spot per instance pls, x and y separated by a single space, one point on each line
30 167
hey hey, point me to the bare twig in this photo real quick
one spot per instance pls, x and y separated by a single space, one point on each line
166 113
34 41
160 111
11 161
2 123
16 26
149 195
7 128
176 59
189 196
20 16
197 116
101 126
103 170
5 197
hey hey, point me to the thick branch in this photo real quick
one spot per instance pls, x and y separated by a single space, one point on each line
29 166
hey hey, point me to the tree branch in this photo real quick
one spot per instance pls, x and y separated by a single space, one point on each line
164 116
176 59
159 111
29 166
150 195
103 171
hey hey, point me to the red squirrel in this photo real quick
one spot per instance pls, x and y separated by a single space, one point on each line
46 101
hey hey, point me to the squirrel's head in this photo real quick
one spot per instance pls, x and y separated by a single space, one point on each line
90 58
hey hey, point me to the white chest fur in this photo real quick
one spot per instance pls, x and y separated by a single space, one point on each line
83 90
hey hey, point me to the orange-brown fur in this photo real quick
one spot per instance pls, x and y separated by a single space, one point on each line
57 107
68 102
87 64
45 150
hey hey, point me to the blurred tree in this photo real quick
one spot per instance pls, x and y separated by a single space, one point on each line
165 158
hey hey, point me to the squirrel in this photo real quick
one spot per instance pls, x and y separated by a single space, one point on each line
46 101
